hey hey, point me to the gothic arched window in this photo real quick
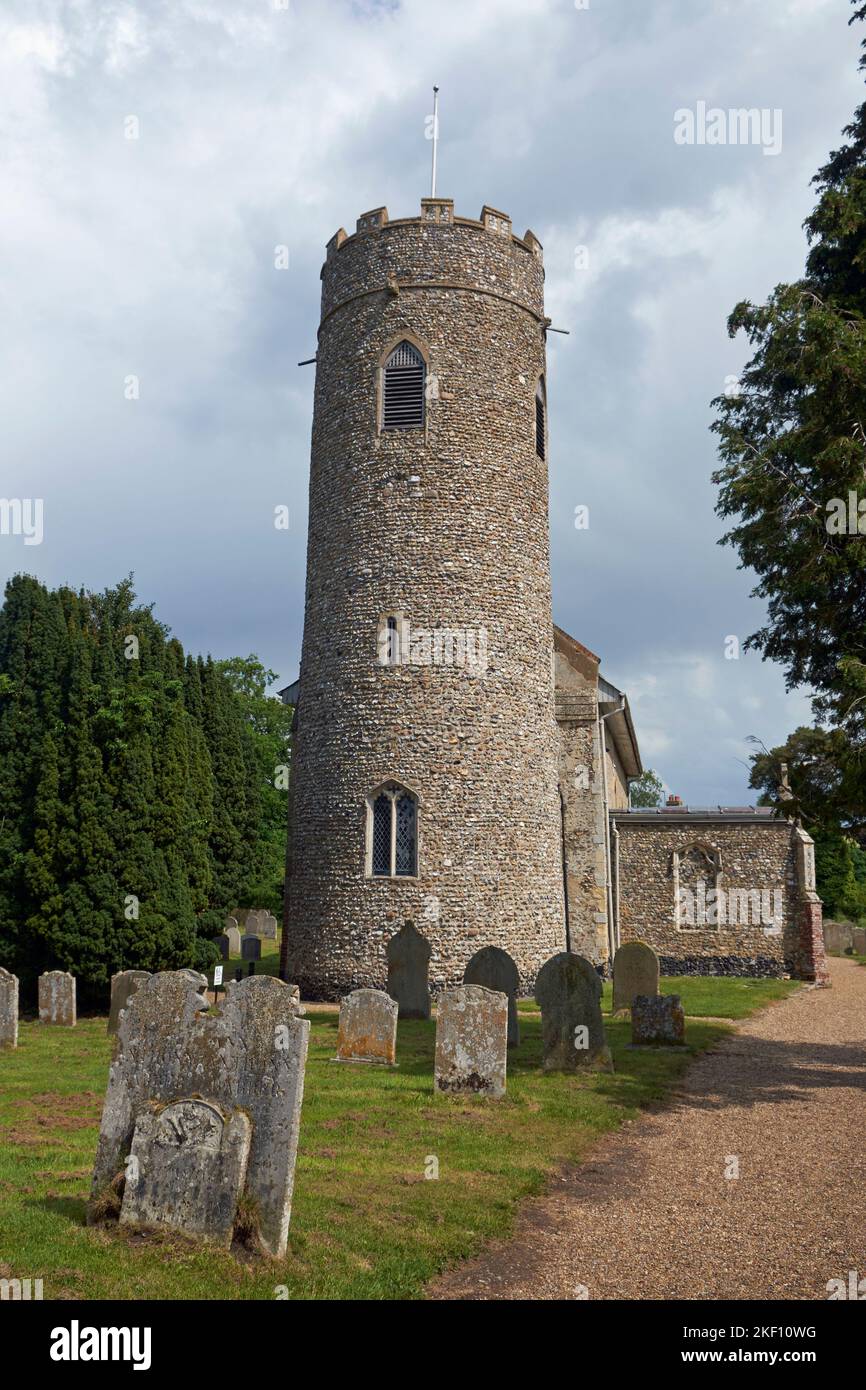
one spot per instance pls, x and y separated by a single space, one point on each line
696 870
539 419
392 832
403 389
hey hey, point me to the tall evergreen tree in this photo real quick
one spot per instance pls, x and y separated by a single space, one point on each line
793 451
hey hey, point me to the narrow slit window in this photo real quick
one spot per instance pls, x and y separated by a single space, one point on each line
403 389
539 420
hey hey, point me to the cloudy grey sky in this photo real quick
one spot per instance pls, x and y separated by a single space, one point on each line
264 123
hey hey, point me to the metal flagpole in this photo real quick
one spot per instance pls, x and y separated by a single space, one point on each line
435 139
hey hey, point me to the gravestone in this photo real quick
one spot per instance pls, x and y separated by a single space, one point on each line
657 1020
186 1169
568 991
838 937
57 998
234 939
222 945
635 971
368 1028
858 937
494 969
268 927
251 947
231 923
250 1056
471 1041
8 1009
408 963
123 986
255 917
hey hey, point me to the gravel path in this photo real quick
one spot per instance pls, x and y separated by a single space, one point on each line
650 1215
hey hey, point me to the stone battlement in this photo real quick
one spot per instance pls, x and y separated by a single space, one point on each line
439 212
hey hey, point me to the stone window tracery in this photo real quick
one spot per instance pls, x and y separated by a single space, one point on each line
696 871
392 832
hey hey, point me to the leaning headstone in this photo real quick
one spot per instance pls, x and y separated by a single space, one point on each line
8 1009
657 1020
123 986
368 1028
494 969
568 990
838 937
268 927
186 1169
57 998
471 1041
408 963
635 971
251 947
250 1056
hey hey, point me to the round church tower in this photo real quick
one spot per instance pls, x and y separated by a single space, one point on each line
424 782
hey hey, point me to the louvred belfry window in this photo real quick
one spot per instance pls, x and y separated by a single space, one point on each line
403 389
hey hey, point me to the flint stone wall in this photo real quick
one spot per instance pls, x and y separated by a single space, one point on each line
754 855
448 526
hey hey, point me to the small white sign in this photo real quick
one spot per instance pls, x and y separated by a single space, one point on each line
217 975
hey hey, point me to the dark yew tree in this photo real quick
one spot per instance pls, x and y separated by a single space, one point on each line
792 445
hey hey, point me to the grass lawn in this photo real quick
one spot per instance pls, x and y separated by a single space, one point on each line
366 1222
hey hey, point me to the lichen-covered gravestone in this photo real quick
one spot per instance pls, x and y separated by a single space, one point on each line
408 965
657 1021
471 1041
494 969
123 986
635 971
568 990
8 1009
251 947
838 937
57 998
187 1168
368 1028
249 1056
